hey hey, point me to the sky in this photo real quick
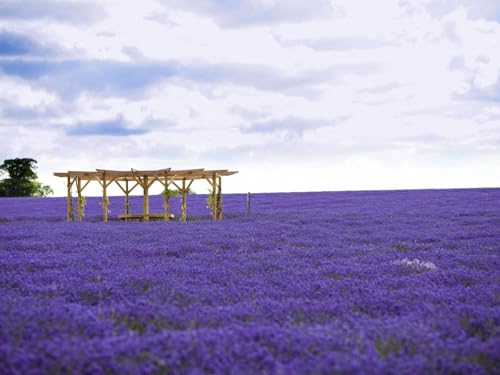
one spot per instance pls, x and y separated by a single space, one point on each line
296 95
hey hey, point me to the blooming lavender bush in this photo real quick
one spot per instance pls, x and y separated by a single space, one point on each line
402 282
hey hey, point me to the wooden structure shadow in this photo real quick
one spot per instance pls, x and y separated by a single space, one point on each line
127 181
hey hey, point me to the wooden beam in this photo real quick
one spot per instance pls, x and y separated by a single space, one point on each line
134 172
219 199
112 179
85 185
214 201
139 181
99 180
166 180
80 198
127 205
166 198
104 199
85 175
160 173
145 187
183 206
69 201
133 187
154 179
120 186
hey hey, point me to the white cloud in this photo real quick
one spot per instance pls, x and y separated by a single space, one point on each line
238 13
354 94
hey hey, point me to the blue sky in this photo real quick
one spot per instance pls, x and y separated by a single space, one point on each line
296 95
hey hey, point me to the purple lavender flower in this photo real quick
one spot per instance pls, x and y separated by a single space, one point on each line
402 282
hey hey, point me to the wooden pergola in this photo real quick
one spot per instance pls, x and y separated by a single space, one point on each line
129 180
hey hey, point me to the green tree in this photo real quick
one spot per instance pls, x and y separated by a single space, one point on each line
171 193
22 180
175 192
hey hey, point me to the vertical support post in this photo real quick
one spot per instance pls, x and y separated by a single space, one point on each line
184 206
219 199
248 204
166 198
80 198
127 205
104 198
214 197
146 198
69 201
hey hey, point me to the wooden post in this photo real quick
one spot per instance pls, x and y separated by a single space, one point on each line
219 199
127 205
214 197
248 204
69 201
80 198
184 206
146 198
104 199
166 199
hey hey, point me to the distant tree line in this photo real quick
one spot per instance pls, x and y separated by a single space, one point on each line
21 180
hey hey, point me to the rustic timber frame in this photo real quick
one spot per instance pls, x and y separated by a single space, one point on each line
127 181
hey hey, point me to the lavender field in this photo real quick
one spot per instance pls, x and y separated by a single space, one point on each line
401 282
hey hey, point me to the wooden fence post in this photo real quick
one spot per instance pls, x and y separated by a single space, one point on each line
248 204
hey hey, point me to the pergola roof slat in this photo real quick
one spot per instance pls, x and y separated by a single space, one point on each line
126 175
171 174
133 172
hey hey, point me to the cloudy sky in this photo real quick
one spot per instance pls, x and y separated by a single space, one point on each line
297 95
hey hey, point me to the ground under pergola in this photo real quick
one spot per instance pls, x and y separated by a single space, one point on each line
129 180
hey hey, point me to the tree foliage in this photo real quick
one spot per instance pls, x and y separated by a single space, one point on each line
171 193
20 169
175 192
22 179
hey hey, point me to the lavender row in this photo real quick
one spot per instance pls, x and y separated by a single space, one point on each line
366 282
